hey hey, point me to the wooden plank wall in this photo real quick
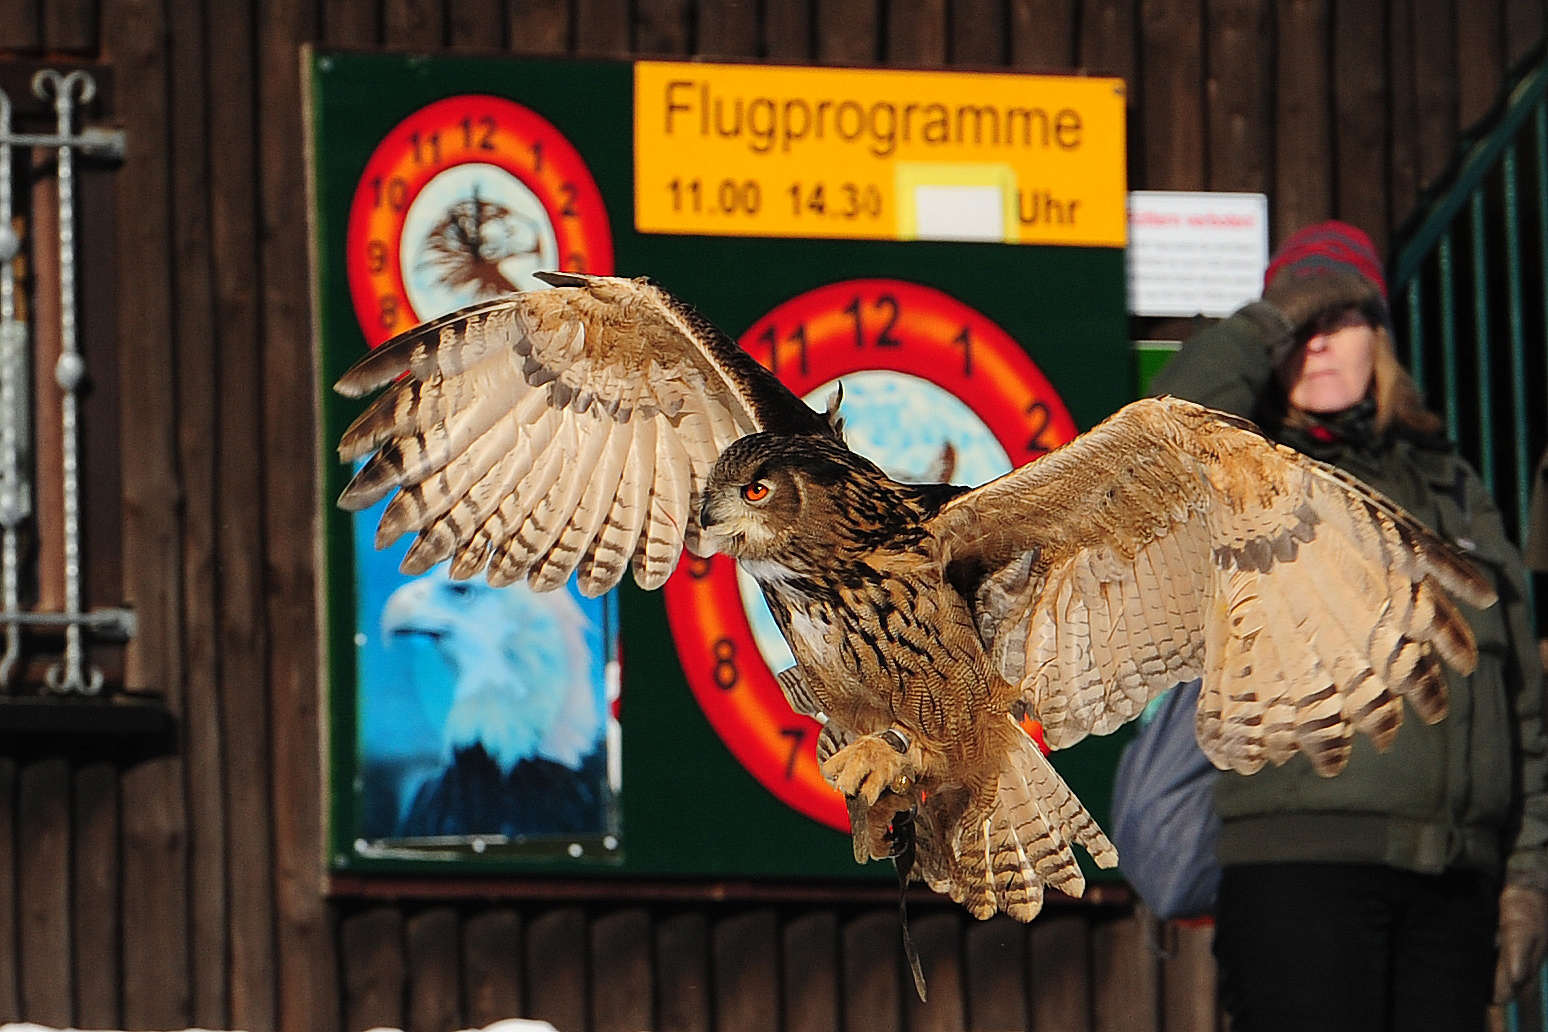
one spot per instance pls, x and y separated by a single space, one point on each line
188 890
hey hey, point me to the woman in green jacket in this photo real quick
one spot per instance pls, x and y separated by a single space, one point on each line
1409 890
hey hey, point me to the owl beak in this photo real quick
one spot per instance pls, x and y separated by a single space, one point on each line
709 540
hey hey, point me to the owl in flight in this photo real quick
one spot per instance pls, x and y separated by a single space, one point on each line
605 424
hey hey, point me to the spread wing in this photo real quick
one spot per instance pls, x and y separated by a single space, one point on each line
558 430
1174 542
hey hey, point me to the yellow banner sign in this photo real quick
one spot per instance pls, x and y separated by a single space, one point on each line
753 150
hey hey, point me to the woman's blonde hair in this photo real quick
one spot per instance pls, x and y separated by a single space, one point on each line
1397 397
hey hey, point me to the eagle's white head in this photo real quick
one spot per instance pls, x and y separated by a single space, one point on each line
520 669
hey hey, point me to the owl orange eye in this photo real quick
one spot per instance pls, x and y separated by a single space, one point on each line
757 491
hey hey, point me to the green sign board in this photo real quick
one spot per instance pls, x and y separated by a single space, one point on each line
475 730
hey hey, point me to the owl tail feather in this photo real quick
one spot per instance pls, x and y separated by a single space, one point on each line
1023 840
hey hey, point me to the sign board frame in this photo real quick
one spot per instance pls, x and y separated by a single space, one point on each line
686 805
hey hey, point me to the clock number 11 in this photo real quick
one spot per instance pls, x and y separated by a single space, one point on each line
797 337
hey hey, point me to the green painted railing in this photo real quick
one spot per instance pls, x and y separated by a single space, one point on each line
1470 296
1469 287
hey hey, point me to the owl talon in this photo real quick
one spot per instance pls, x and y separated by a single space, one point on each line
875 828
869 766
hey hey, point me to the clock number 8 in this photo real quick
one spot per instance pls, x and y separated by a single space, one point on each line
726 674
389 311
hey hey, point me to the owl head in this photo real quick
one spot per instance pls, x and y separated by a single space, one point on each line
791 500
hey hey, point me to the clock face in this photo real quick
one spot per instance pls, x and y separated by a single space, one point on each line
933 391
463 200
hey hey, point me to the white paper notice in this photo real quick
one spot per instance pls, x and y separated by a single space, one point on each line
1195 253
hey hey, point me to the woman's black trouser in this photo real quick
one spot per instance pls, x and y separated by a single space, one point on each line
1356 947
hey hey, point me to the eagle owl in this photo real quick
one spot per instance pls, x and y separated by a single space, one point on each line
604 425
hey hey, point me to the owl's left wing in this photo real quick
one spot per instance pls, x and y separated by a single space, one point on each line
1174 542
551 431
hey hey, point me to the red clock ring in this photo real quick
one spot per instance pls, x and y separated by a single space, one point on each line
459 130
829 332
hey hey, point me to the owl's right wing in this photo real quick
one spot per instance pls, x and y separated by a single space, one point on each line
1174 542
555 431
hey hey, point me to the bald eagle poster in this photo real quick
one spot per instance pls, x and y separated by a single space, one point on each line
487 714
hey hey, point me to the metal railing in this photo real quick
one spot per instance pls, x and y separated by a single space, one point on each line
1470 298
72 674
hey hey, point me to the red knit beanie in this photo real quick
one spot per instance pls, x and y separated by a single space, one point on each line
1330 246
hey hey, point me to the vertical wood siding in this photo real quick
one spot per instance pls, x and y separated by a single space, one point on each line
188 890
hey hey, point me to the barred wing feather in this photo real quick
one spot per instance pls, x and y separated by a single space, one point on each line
1174 542
546 432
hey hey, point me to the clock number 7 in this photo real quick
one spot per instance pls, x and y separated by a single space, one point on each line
797 736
